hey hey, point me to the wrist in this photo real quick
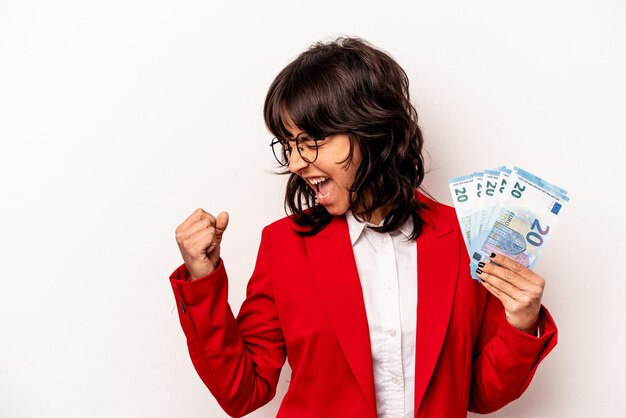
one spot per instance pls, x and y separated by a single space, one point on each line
190 278
531 330
527 326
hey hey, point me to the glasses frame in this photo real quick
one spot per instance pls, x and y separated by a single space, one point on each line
286 156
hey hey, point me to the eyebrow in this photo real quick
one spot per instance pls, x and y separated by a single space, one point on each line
293 138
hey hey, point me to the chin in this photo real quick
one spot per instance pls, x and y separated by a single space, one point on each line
336 210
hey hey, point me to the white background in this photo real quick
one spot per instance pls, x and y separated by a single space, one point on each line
120 118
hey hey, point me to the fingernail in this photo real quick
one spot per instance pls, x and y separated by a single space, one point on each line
492 255
481 264
479 271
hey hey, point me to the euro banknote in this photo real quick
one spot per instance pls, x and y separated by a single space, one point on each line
506 211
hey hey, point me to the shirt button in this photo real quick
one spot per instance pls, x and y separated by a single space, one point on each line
384 240
389 287
395 380
392 332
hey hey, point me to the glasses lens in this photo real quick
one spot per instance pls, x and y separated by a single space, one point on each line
307 147
281 151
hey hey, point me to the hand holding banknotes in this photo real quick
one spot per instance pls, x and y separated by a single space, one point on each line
517 287
506 217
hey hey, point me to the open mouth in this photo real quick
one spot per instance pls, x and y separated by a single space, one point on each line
323 187
316 181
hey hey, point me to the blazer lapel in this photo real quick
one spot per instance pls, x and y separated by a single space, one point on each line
437 265
337 281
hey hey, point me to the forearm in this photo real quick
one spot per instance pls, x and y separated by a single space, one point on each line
506 359
241 378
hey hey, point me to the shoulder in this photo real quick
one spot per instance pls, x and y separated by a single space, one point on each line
282 228
436 214
288 225
283 223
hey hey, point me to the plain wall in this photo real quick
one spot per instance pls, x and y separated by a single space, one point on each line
119 118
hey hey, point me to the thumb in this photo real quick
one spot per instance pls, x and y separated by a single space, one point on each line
221 222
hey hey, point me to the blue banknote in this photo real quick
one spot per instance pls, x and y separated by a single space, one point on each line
516 218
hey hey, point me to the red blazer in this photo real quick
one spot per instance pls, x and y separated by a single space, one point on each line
304 303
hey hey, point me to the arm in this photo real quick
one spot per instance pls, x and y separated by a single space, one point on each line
505 358
508 350
239 360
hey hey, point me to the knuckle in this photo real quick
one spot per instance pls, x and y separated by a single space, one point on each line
542 283
517 267
493 280
508 274
197 248
535 291
513 307
180 236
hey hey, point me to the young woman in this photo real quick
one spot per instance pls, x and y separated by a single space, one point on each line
365 287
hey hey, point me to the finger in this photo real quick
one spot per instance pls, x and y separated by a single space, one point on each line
524 292
199 225
191 219
503 297
221 223
209 217
202 241
516 267
510 307
508 275
502 286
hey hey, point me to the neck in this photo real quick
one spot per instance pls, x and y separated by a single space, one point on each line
378 215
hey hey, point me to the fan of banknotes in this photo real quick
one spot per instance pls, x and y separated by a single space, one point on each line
504 211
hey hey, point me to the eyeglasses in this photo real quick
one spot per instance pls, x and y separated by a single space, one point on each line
305 144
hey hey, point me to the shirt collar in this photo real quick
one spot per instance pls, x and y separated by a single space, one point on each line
356 227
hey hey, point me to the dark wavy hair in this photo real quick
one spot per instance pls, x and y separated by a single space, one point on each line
348 86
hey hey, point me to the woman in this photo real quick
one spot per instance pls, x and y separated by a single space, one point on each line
365 287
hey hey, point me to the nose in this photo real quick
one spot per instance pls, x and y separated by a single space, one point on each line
296 163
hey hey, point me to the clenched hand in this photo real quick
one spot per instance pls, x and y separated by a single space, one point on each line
199 238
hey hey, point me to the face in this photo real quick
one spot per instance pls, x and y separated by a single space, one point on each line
328 175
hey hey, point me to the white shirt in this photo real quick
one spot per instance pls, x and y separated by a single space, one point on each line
387 266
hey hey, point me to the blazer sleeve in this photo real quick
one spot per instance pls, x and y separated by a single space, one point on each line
238 359
505 359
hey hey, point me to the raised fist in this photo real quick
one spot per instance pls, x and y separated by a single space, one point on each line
198 239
